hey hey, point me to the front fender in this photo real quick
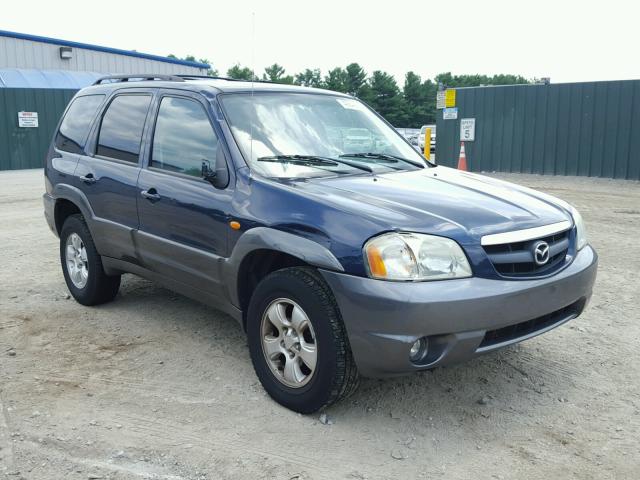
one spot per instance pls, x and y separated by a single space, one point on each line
265 238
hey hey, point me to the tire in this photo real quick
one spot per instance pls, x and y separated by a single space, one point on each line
95 287
335 375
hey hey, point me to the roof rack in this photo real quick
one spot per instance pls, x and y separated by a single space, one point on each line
138 77
167 78
186 76
209 77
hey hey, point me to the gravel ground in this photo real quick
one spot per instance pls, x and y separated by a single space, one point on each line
157 386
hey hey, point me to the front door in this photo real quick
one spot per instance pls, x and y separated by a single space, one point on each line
183 218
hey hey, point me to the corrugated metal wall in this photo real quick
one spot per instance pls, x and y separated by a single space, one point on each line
19 53
587 129
26 147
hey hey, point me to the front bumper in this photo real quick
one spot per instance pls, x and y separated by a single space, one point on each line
462 318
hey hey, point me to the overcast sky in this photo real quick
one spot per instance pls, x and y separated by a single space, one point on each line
565 40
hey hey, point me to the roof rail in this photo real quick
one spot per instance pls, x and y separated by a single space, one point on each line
208 77
186 76
137 77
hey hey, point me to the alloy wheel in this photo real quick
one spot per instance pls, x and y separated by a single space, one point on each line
76 258
289 343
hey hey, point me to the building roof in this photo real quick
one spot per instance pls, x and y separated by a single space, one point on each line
24 78
98 48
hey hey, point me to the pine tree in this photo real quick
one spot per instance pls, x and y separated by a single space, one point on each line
239 73
309 78
276 73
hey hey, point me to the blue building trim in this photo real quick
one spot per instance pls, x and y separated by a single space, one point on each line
98 48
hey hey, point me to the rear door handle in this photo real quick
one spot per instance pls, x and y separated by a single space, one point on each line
150 194
88 178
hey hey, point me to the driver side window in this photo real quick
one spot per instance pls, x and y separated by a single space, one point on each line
184 139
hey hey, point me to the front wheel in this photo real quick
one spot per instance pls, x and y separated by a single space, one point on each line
298 343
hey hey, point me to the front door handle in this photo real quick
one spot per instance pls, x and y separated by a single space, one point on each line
150 194
88 178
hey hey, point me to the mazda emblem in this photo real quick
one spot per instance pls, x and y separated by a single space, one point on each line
541 252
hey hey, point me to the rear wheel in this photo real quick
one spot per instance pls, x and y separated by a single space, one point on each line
298 344
82 266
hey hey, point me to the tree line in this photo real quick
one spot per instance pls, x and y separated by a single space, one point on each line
409 105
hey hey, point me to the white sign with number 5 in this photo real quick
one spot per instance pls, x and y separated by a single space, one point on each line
467 129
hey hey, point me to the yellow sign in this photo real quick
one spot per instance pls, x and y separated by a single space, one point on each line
450 98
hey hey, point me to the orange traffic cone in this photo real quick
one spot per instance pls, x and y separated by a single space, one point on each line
462 161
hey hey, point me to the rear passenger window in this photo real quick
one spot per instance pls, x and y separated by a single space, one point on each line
121 130
75 125
183 138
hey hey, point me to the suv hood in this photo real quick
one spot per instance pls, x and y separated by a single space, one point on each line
440 200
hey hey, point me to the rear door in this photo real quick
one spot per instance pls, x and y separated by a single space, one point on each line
108 174
183 218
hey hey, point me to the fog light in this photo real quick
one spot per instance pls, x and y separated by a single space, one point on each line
418 350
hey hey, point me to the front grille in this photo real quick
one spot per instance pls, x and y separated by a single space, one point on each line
513 333
517 259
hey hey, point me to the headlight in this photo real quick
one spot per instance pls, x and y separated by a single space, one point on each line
581 233
413 256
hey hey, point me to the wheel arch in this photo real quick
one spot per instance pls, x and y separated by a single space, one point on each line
68 201
263 250
63 209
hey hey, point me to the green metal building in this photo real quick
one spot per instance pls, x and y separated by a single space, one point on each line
25 147
587 129
38 77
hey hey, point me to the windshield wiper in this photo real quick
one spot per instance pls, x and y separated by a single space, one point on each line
382 156
313 161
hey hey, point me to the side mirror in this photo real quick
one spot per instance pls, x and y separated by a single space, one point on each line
222 170
218 177
207 172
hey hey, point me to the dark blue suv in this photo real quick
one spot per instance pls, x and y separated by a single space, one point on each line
307 218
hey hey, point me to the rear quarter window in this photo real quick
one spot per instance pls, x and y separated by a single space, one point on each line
75 125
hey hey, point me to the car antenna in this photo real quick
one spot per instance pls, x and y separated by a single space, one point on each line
253 77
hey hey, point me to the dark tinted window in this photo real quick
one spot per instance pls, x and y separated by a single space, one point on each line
75 125
183 138
121 129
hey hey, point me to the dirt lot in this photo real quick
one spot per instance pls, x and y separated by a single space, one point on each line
157 386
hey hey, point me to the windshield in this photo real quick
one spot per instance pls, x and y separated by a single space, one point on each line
298 134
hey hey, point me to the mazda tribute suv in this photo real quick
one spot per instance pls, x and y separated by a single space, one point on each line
307 218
